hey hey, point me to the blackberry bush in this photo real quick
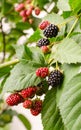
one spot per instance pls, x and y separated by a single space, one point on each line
32 55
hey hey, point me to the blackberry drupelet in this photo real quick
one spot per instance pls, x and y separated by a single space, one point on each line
43 42
51 31
55 78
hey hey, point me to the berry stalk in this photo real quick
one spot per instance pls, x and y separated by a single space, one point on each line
72 27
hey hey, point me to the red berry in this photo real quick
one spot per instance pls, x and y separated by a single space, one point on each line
14 99
37 10
34 112
29 12
43 25
27 104
37 107
19 7
44 49
23 13
28 92
42 72
38 103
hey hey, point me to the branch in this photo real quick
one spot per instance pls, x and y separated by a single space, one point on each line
9 63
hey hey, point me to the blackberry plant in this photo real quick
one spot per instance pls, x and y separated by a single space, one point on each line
40 62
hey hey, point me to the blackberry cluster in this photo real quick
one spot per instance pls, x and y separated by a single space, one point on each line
51 31
43 42
55 78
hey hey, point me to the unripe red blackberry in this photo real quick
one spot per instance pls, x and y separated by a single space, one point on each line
29 12
51 31
43 42
37 107
45 49
28 92
14 99
42 72
37 10
23 13
55 78
43 25
27 104
19 7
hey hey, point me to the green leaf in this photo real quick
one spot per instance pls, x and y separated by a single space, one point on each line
6 7
23 52
69 71
2 82
30 54
66 14
63 5
70 103
51 118
68 51
25 121
22 25
75 5
40 3
35 37
23 74
4 71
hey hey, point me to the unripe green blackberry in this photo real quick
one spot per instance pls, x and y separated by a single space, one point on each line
55 78
43 42
51 31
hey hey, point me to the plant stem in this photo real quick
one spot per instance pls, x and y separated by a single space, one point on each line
66 21
9 63
4 41
72 27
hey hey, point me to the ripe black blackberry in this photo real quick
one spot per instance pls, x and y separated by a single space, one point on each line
51 31
43 42
55 78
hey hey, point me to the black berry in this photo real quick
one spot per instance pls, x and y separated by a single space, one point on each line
43 42
51 31
55 78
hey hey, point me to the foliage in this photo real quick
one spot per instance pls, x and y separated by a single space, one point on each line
61 104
